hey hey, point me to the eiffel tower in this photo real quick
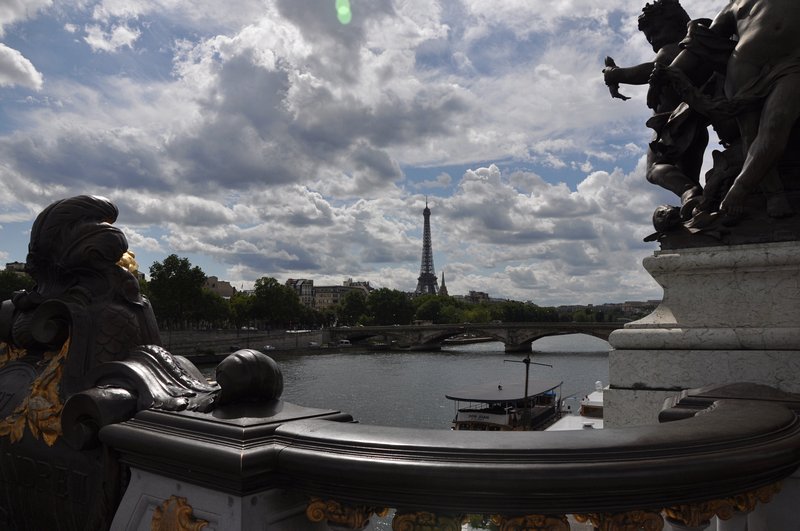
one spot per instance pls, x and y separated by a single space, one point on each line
427 284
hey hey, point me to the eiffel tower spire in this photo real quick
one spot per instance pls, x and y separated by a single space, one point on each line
427 284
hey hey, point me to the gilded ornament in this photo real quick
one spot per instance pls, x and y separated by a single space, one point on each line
351 517
128 262
532 522
747 502
9 353
175 514
697 514
630 521
426 521
40 411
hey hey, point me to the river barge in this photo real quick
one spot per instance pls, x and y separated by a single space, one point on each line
534 405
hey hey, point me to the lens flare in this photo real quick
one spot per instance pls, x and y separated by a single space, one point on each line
343 12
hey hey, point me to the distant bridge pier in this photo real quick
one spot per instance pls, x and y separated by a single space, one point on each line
427 347
525 346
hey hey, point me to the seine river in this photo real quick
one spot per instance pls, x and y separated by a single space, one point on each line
406 389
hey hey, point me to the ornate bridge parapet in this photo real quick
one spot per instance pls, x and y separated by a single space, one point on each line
723 462
517 337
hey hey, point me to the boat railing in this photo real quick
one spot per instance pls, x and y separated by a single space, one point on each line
723 461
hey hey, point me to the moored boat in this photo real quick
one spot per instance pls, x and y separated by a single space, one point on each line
589 415
507 407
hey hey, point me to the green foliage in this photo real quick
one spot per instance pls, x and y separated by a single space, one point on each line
353 308
525 312
213 309
583 316
276 304
241 307
176 290
389 306
11 281
476 313
144 288
451 314
447 310
428 308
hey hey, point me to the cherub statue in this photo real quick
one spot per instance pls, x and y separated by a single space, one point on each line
673 160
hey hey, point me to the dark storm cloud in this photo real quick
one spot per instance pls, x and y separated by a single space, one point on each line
82 159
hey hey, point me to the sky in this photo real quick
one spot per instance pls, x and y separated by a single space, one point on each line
267 138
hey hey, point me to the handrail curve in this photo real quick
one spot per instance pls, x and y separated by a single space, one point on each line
734 447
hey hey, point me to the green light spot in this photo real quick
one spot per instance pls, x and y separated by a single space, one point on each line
343 12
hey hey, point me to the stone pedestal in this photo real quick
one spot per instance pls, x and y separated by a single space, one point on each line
211 471
729 314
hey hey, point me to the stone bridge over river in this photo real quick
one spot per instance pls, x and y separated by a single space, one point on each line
517 337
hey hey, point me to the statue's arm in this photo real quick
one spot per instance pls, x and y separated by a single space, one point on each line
632 75
724 23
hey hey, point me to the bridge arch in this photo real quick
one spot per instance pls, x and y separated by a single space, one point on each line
517 337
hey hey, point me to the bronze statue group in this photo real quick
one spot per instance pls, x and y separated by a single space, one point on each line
739 74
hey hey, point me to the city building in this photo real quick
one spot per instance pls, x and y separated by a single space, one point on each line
222 288
331 296
304 289
18 267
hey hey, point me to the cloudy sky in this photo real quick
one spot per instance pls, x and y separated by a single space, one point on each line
267 138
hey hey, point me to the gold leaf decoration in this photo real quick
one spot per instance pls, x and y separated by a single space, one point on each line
40 411
128 262
9 353
175 514
696 514
630 521
351 517
532 522
747 502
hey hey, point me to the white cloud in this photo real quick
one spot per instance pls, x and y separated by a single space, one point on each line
138 242
276 142
15 69
112 39
441 181
12 11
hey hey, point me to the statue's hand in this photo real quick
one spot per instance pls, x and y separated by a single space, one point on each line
611 79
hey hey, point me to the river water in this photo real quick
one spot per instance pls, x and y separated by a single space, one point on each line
406 389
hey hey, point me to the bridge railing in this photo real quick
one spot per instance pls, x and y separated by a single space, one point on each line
313 469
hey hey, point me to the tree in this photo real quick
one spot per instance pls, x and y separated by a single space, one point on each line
11 281
275 303
451 314
176 288
429 308
477 313
241 309
353 308
388 306
213 309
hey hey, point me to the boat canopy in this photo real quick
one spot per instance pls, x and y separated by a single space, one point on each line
492 393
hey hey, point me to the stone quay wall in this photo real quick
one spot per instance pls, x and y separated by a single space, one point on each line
217 344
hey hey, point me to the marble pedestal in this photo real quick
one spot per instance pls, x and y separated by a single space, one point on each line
729 314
